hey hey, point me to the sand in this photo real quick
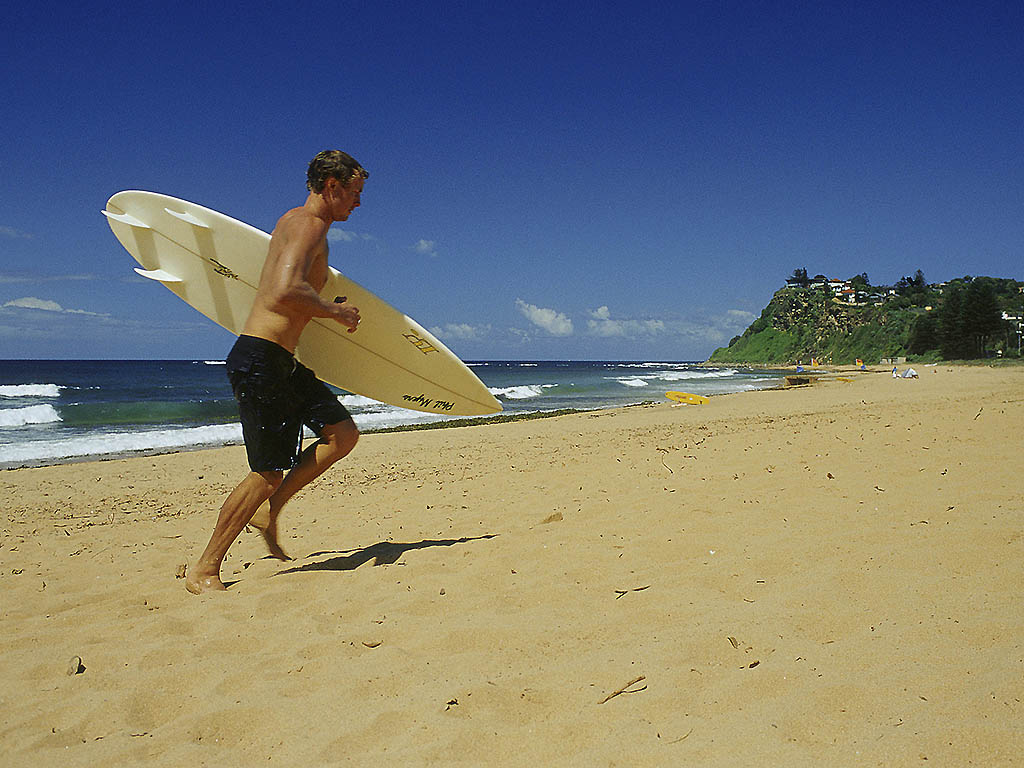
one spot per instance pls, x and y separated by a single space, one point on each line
824 575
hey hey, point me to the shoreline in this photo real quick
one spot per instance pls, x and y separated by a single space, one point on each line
468 421
87 417
817 575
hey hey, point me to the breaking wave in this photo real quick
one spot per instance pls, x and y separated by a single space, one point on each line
520 392
33 414
29 390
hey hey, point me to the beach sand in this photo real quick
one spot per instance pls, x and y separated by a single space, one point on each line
823 575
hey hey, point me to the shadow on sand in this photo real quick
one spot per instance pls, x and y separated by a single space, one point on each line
381 553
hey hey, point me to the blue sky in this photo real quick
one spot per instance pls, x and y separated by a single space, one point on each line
547 180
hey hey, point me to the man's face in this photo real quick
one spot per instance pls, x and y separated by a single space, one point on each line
344 198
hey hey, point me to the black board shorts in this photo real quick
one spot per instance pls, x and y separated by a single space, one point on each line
276 396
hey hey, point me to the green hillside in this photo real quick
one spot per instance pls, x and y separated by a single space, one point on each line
960 319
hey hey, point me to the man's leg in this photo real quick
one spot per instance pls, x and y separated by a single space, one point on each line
336 442
235 513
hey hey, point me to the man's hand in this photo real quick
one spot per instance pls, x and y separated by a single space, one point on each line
347 315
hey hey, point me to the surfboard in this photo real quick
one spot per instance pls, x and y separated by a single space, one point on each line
686 398
213 262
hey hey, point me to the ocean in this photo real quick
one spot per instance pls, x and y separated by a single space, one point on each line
56 411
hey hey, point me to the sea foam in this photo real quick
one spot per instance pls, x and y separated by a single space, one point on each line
358 401
29 390
120 443
521 392
687 375
33 414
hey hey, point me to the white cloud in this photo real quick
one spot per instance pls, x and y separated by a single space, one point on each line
45 305
551 321
30 302
741 316
29 278
718 329
519 336
14 233
426 248
602 324
704 329
461 331
344 236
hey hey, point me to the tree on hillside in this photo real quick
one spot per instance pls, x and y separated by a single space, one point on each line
914 289
914 284
800 277
951 340
981 316
968 318
924 334
860 282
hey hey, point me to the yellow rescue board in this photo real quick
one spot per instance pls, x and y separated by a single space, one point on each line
687 398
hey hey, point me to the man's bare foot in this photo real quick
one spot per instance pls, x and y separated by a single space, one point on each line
197 584
269 534
266 526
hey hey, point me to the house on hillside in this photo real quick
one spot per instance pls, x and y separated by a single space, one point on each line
840 289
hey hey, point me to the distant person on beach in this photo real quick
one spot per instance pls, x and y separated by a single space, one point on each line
276 394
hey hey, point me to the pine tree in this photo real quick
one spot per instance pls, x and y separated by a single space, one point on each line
924 335
968 318
951 326
981 316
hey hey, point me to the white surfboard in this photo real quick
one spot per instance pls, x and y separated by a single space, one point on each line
213 263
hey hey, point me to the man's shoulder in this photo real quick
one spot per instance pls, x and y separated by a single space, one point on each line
301 220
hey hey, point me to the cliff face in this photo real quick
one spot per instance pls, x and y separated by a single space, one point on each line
799 324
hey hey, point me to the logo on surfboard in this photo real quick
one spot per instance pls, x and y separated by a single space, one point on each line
422 345
220 269
425 402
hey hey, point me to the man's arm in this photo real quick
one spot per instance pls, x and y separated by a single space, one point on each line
287 289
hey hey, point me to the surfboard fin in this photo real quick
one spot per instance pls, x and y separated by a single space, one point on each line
126 218
159 275
189 218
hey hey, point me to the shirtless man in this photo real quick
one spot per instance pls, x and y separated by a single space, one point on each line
276 394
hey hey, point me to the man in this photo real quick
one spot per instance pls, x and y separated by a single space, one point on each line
276 394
